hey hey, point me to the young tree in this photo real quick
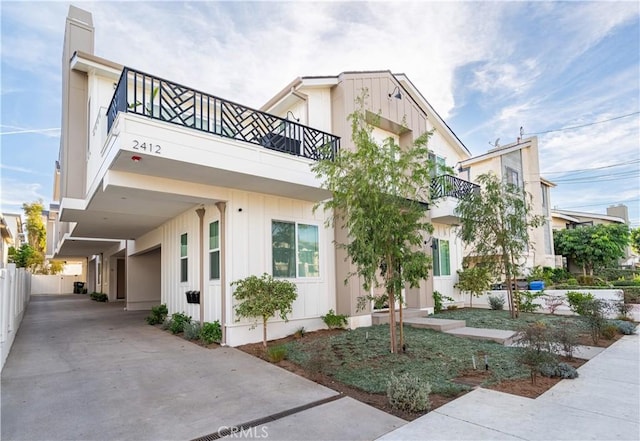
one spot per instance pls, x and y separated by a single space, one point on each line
379 194
263 297
594 246
474 280
495 223
634 237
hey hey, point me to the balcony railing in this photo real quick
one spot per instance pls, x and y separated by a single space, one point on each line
163 100
447 185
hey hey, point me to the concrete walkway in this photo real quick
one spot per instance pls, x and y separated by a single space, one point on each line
603 403
81 370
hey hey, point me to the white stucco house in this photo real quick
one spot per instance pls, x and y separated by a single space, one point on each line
165 189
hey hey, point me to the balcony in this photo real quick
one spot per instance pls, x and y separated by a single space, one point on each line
163 100
445 190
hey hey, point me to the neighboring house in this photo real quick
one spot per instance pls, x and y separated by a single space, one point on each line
518 164
166 189
15 226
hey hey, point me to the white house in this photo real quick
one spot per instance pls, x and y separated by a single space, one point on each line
166 189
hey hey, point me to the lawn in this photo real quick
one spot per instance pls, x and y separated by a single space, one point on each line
483 318
361 358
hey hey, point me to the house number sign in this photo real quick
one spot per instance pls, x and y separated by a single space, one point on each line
147 147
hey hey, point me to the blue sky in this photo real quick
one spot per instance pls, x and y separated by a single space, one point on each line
487 67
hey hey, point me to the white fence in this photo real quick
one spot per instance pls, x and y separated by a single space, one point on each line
15 289
58 284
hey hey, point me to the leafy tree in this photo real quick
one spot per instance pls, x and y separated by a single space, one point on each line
495 222
634 237
36 229
592 247
23 257
262 297
475 280
379 194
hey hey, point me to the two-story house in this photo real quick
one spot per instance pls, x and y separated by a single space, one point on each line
166 189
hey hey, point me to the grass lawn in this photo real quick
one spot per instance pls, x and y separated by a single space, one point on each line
484 318
361 358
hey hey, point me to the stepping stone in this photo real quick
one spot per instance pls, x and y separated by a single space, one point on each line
498 335
434 323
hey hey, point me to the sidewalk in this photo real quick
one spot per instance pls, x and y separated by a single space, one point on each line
603 403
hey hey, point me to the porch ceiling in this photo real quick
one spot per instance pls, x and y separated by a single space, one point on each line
81 247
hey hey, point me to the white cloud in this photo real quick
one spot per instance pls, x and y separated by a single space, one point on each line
15 193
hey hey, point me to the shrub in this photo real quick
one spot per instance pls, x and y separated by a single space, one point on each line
572 282
631 294
625 283
277 353
496 302
577 299
211 332
553 302
177 322
561 370
538 344
408 393
565 338
158 314
609 331
452 307
526 300
616 273
559 274
624 327
334 321
165 324
99 296
591 281
191 331
594 312
299 332
438 300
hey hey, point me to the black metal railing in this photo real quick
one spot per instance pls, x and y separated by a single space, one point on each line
163 100
447 185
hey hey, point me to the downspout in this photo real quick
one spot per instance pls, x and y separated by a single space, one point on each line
200 212
222 207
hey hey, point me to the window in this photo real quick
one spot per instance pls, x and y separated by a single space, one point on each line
545 195
441 260
295 250
440 164
214 250
512 177
184 260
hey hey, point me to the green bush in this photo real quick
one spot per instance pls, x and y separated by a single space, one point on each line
158 314
577 299
99 296
526 300
591 281
211 332
609 331
178 321
623 327
616 273
538 345
631 294
496 302
191 331
334 321
558 274
408 393
572 282
594 312
625 283
565 338
561 370
438 299
277 353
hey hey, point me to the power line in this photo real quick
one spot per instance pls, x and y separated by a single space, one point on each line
582 125
620 164
597 177
600 204
596 180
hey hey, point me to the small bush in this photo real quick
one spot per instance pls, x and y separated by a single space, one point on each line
496 302
334 321
631 294
572 282
299 332
177 322
625 283
191 331
561 370
99 296
158 314
538 344
553 302
165 324
452 307
577 301
526 300
623 327
408 393
594 312
211 332
591 281
565 338
438 300
609 331
277 353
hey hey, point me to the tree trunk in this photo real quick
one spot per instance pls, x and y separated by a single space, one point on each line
470 300
264 332
401 323
392 321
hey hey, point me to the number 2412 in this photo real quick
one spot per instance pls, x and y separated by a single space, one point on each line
146 147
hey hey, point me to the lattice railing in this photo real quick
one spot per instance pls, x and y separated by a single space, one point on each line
163 100
447 185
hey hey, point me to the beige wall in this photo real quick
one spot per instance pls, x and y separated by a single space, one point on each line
144 280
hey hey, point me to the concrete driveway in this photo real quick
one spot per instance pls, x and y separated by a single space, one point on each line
81 370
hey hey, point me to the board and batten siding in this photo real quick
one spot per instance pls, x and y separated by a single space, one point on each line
248 252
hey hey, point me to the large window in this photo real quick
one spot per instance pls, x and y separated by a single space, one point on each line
440 164
441 259
184 260
295 249
512 177
214 250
